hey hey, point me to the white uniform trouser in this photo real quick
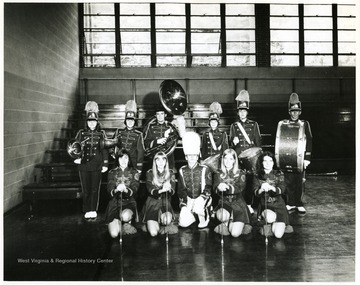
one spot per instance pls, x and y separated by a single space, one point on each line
195 206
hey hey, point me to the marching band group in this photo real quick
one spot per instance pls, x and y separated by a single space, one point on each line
223 177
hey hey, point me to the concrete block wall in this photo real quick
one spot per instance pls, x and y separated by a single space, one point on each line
41 71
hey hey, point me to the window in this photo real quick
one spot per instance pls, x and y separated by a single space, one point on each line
284 35
99 32
318 35
135 43
240 34
170 34
346 23
216 34
205 34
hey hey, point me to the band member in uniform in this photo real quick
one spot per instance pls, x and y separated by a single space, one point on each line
131 139
160 183
245 134
194 185
269 186
214 142
123 185
94 160
157 133
231 210
295 181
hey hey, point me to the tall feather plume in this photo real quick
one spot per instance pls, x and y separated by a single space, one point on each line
243 96
215 107
131 106
91 106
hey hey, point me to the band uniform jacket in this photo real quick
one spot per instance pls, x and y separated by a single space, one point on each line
252 129
274 200
132 140
232 199
236 183
221 143
154 189
157 203
153 132
194 182
131 178
308 135
93 158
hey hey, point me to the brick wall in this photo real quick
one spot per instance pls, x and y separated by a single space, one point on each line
41 71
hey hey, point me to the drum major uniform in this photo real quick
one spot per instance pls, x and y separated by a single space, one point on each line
194 185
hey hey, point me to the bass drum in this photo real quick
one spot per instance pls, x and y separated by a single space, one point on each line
290 146
249 158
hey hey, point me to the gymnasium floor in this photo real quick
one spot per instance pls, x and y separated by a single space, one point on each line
58 245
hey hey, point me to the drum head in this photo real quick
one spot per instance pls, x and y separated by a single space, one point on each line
250 152
290 146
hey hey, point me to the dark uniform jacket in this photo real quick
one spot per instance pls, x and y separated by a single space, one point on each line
128 176
236 183
132 140
220 140
154 190
194 182
153 132
93 157
252 129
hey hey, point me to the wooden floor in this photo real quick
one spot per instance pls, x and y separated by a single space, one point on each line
58 245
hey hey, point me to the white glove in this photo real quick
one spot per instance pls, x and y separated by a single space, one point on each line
236 140
77 161
306 163
104 169
121 188
161 141
223 187
167 186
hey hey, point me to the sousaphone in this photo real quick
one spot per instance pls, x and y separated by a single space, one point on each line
173 98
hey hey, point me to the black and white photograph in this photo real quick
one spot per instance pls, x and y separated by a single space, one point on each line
179 141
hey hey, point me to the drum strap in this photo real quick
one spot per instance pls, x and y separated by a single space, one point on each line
213 144
244 132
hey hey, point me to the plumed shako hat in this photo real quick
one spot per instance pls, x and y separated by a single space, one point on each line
215 111
92 110
130 109
191 143
243 100
294 103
